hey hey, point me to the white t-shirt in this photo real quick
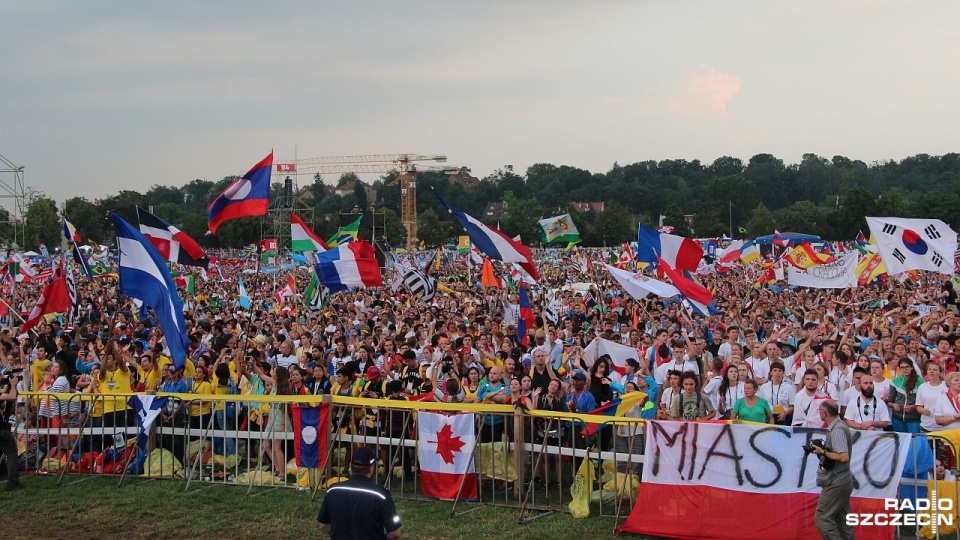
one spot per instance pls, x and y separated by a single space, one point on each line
860 409
849 394
712 390
660 374
806 409
927 397
883 389
730 397
777 394
724 350
759 366
945 407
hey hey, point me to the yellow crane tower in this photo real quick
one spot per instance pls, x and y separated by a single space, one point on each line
406 165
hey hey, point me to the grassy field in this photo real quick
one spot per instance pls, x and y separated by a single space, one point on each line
96 508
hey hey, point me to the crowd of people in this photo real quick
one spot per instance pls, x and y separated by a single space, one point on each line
885 352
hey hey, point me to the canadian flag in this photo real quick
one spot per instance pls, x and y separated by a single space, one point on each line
446 455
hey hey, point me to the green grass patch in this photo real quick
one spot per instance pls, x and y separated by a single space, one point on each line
95 507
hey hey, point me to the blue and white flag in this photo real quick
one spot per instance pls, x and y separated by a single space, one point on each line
147 408
244 297
144 275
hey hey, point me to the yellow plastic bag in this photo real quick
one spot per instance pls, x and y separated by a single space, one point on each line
622 483
161 463
581 490
493 461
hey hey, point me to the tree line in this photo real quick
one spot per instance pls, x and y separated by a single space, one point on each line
827 197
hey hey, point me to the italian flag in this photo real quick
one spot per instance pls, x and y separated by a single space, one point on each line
303 238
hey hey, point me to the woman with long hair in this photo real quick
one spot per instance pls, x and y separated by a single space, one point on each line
278 422
731 389
903 402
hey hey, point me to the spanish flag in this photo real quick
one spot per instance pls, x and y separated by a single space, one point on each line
804 256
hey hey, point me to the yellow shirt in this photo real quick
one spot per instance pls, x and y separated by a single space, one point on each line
196 407
153 378
115 382
38 371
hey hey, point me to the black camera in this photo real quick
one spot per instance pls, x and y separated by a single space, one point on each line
825 462
6 375
814 443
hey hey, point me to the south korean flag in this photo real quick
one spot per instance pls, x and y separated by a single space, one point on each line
914 244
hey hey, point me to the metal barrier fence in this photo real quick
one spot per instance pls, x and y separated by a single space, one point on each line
524 459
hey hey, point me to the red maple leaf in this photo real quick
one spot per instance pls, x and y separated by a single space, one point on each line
447 444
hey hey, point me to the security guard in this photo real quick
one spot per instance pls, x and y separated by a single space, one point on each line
357 508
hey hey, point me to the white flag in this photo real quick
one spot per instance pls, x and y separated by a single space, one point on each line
914 244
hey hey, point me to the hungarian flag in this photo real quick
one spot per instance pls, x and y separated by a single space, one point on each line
446 455
302 238
55 298
310 427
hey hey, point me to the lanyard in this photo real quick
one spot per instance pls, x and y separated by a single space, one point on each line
776 394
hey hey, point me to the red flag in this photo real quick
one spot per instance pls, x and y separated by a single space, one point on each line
54 299
692 290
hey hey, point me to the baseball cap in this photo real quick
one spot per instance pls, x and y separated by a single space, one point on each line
579 375
569 341
372 373
363 457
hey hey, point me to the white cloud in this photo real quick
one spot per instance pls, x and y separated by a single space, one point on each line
705 93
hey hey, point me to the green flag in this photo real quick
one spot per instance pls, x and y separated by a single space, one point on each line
559 229
346 234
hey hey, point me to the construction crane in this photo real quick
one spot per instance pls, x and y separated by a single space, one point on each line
406 165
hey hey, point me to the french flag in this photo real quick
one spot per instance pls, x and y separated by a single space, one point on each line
249 195
493 243
679 252
70 232
173 244
310 426
527 318
349 265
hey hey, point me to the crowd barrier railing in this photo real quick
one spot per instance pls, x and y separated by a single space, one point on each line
526 459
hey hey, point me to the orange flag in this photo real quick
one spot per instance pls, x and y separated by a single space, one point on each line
487 279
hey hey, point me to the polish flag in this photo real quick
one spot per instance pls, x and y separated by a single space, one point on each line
700 477
446 455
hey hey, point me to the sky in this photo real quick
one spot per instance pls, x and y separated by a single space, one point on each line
101 96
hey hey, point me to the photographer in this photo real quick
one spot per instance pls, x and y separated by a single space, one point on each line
8 443
833 476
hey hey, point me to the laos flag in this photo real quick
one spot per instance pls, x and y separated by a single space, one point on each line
249 195
310 427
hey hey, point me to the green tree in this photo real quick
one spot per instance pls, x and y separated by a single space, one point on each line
429 229
394 230
86 217
895 202
124 204
802 217
158 195
761 222
41 222
615 224
673 217
521 218
360 192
